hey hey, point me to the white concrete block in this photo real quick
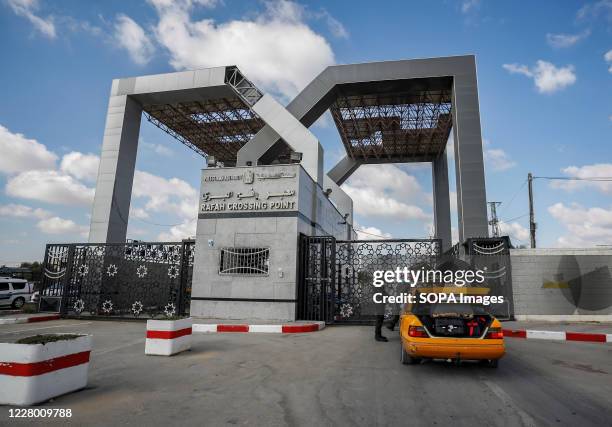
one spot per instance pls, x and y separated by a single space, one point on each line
545 335
21 386
168 337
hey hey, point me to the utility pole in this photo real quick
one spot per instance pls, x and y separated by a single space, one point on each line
532 224
494 222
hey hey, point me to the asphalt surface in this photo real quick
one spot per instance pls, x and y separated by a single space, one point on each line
338 376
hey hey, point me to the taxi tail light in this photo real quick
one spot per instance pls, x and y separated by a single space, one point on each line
495 334
417 332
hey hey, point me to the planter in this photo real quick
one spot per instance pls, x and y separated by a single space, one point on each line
168 337
34 373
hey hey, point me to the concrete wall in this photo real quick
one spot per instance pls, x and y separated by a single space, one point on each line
562 284
222 223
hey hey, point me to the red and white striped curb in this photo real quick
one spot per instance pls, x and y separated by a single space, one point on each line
557 335
269 329
31 319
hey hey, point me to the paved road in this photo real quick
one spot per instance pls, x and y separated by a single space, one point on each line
338 376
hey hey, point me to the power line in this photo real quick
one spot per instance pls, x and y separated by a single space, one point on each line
515 194
166 225
573 178
371 234
513 219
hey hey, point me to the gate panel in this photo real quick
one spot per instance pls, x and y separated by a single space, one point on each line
358 259
118 280
336 276
56 272
316 287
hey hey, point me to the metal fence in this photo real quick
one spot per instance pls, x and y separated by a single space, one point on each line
335 282
117 280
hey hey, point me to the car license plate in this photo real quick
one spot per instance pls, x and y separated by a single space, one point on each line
449 327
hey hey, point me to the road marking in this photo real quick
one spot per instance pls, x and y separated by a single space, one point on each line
108 350
526 419
46 327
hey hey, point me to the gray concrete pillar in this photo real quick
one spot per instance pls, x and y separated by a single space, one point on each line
294 133
441 199
111 206
469 164
343 170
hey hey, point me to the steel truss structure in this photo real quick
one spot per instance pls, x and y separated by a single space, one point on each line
398 127
215 127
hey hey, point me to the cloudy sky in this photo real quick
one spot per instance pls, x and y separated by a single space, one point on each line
545 79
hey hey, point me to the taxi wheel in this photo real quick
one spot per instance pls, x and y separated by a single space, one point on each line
494 363
406 358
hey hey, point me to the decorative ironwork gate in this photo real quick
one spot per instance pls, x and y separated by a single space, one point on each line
492 255
336 275
117 280
357 260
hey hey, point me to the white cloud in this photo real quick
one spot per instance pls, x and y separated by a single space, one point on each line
608 59
593 172
27 9
560 41
453 202
33 175
594 10
335 26
138 213
469 5
57 225
385 177
160 149
370 233
179 232
276 48
81 166
50 187
585 226
497 158
131 37
20 153
371 203
546 76
166 195
22 211
378 191
515 230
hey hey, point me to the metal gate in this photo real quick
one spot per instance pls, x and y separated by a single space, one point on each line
335 276
492 255
316 287
117 280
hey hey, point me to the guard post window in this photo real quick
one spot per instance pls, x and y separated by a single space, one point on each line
244 261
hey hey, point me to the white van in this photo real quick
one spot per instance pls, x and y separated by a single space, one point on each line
14 292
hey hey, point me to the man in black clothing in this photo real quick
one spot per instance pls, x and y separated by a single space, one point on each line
378 336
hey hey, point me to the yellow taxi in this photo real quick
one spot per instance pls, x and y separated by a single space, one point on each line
450 331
